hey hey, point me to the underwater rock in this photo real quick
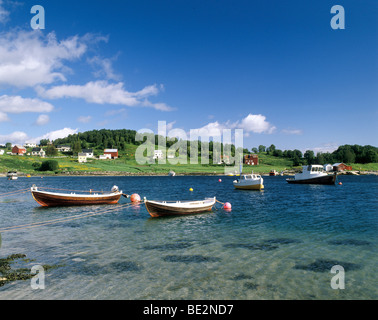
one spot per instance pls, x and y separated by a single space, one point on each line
349 242
322 265
190 259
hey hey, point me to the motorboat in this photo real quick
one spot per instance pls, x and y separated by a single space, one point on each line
249 182
313 174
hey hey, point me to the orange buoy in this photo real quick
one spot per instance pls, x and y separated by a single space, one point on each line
340 183
135 197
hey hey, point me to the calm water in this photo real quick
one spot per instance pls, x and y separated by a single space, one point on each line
276 244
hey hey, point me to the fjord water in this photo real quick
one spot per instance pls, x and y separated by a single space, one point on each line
280 243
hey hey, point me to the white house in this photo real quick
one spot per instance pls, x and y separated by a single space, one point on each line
328 167
38 152
88 152
105 156
1 152
82 157
64 148
158 154
30 145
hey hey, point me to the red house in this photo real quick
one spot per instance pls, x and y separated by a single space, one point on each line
341 167
251 159
113 153
18 150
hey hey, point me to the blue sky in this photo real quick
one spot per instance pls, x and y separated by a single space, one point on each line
275 69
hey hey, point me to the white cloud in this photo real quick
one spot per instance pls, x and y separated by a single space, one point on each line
325 147
256 123
17 137
17 104
292 131
84 119
30 58
250 124
102 92
20 137
3 117
4 14
42 120
106 68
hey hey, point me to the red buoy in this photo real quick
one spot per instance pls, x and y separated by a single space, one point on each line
227 206
340 183
220 180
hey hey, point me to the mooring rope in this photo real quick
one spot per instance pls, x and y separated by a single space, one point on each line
15 193
62 220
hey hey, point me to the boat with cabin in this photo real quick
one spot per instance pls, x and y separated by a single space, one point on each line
172 208
249 182
53 199
313 174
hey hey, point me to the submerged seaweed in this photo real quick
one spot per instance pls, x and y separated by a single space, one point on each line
282 241
241 276
322 265
123 266
8 274
190 259
169 246
258 246
349 242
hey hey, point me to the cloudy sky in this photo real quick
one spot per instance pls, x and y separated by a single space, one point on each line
275 69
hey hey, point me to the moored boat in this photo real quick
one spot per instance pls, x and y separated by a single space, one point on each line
313 174
52 199
12 175
249 182
171 173
171 208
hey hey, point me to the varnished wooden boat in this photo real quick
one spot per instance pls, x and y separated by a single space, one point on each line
167 208
52 199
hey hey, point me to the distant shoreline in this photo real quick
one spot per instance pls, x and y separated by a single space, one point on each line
145 174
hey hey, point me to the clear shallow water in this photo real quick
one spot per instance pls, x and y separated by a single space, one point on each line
276 244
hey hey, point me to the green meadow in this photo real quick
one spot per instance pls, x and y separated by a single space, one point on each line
127 165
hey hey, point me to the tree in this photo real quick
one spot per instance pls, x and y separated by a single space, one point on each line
309 156
49 165
76 149
261 148
44 142
51 151
8 145
270 150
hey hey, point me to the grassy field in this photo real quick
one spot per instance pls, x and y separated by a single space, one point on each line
126 165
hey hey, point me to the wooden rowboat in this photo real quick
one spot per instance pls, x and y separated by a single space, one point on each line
170 208
52 199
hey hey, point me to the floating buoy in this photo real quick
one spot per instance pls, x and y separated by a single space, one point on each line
135 197
340 183
191 189
220 180
227 206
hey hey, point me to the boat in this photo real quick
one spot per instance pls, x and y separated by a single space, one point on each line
52 199
273 173
172 208
313 174
171 173
249 182
12 175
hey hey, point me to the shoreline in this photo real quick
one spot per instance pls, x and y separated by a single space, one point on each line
151 174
